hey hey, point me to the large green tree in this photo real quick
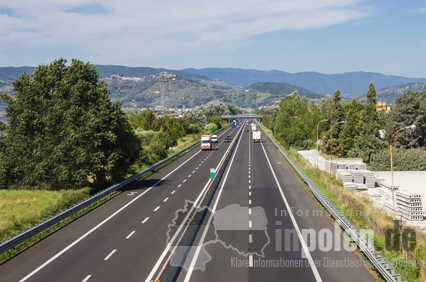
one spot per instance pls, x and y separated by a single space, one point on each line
351 129
294 121
335 114
368 142
63 131
409 109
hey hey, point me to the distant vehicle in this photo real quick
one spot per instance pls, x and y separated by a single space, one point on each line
228 138
256 136
247 129
214 138
206 142
253 127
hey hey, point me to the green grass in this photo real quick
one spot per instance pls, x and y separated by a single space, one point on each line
405 266
21 209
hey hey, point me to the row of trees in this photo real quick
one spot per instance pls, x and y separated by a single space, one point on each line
351 129
64 132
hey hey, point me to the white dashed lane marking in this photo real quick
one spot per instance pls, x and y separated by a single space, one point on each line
145 220
110 254
130 235
156 209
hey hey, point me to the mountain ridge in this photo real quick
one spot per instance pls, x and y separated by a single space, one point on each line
250 87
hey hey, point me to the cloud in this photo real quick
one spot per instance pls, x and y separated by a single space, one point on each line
423 10
155 28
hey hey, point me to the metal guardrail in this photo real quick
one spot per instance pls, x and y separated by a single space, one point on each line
31 232
388 272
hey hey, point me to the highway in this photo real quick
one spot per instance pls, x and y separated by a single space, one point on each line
255 233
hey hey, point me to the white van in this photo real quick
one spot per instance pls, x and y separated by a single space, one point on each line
214 138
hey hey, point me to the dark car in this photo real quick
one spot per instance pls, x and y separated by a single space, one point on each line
228 138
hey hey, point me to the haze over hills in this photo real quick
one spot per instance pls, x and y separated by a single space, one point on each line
350 84
148 87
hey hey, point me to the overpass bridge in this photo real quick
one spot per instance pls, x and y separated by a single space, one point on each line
242 117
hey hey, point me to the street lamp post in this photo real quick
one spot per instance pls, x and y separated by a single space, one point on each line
318 137
413 126
331 145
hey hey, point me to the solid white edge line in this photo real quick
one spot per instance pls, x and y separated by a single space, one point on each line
169 245
102 223
171 242
203 236
110 254
293 219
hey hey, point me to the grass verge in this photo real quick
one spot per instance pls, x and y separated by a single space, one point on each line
364 215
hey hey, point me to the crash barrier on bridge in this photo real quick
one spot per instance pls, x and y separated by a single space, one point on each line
365 244
200 210
33 231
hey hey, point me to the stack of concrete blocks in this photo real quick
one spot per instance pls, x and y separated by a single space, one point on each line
352 172
374 194
409 205
369 178
344 175
357 176
347 164
388 185
346 178
350 185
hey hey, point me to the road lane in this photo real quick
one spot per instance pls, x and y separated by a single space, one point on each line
136 255
251 185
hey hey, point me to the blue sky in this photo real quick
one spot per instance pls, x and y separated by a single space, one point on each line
326 36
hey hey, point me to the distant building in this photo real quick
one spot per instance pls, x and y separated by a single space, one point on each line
381 106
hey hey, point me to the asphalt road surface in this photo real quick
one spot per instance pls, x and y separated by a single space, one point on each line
254 230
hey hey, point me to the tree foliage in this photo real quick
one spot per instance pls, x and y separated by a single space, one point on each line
351 129
63 130
213 108
335 114
294 121
196 116
409 109
143 120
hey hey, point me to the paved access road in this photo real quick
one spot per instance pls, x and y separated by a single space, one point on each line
260 208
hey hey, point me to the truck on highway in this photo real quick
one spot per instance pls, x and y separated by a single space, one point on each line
206 142
256 136
253 127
